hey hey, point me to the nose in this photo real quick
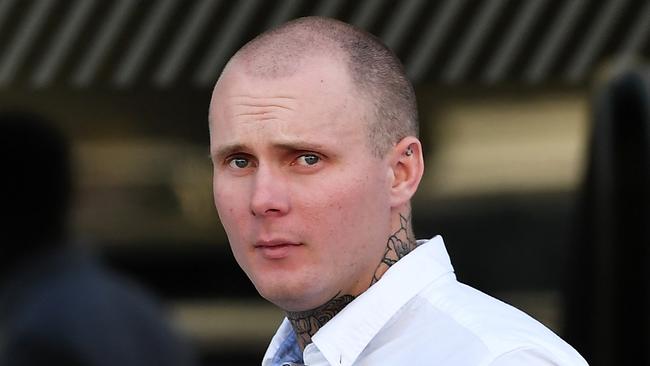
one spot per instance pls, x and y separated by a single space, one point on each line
270 194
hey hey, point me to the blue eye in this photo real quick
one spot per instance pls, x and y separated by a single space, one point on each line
239 163
308 159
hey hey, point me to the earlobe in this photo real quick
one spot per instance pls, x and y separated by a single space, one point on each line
407 164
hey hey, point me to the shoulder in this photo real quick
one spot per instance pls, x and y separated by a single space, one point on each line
65 310
533 357
77 293
497 330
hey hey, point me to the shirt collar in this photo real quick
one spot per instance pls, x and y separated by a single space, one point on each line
345 336
284 347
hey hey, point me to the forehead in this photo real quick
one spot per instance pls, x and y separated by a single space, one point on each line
318 97
308 76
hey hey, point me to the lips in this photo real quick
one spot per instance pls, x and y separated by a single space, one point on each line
276 248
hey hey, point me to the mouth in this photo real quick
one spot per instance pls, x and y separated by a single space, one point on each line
276 249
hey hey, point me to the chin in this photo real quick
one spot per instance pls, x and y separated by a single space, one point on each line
284 297
290 297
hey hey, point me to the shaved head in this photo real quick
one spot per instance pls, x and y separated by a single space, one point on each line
313 139
374 70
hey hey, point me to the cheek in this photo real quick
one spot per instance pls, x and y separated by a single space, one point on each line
229 202
329 199
359 194
230 208
346 209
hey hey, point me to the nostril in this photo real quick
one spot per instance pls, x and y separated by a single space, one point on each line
268 199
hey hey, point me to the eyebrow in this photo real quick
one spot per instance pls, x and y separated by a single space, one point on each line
228 150
296 145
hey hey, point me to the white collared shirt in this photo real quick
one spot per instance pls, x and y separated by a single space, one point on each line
419 314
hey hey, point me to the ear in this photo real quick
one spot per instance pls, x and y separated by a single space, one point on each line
407 165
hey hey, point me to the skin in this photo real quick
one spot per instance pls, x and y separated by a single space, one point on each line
308 209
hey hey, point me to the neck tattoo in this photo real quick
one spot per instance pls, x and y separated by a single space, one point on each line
401 243
306 323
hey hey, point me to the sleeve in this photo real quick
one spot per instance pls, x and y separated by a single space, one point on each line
535 357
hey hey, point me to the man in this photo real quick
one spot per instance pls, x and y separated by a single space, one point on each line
313 134
58 305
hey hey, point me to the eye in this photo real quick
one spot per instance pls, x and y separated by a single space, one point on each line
307 159
239 163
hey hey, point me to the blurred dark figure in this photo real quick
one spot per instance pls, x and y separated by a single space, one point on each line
608 307
58 306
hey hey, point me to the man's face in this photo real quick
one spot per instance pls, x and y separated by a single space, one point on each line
304 202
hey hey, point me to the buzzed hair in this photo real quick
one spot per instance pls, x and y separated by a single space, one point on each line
375 70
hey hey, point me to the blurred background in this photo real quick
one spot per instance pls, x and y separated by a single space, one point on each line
534 118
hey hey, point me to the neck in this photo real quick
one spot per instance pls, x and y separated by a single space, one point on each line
306 323
399 244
